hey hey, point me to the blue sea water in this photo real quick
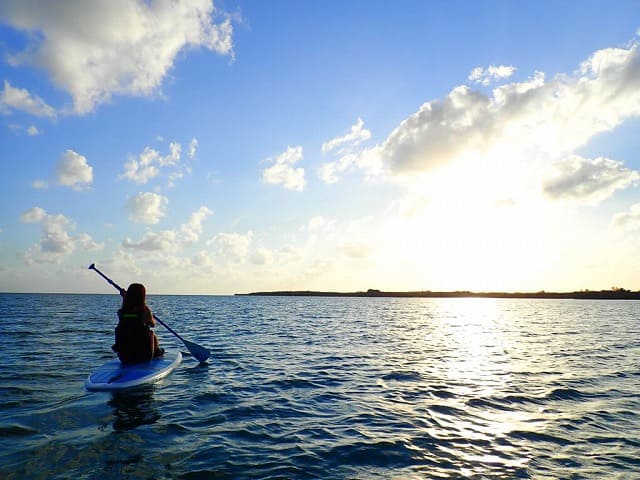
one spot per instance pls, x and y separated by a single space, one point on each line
338 388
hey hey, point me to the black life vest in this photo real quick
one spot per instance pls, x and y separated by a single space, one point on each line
134 338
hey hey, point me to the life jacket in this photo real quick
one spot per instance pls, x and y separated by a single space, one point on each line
134 338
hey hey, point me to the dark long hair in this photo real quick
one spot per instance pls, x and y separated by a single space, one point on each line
134 300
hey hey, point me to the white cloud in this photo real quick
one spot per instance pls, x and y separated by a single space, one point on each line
549 117
150 163
343 146
629 221
55 242
587 181
357 135
33 215
318 223
193 228
233 246
193 146
152 242
485 76
368 160
74 171
16 128
329 172
86 243
142 169
283 172
175 150
147 207
262 256
20 99
355 250
95 49
203 260
329 235
172 240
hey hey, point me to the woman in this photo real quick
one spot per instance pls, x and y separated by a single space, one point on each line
135 341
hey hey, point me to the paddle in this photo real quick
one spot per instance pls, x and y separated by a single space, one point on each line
196 350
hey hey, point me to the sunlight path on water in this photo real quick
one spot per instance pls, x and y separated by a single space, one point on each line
328 387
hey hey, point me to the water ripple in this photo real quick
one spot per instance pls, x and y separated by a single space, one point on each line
328 388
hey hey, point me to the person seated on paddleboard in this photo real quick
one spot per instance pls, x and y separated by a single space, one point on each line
135 341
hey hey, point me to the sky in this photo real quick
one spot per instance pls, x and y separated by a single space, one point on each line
235 146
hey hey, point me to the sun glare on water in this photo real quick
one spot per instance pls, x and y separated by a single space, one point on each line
479 370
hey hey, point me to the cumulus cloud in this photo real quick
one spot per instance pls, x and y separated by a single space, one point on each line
30 130
55 243
33 215
147 207
148 164
95 49
355 250
329 235
141 169
319 223
485 76
262 256
283 172
193 228
193 146
629 221
440 131
547 116
343 146
233 246
172 240
357 135
175 150
587 181
20 99
329 172
74 171
368 160
152 242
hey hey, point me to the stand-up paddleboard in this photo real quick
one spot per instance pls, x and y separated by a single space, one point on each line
113 375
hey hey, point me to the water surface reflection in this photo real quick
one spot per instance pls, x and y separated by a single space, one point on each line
133 408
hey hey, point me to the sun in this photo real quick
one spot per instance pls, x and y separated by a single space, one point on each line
467 228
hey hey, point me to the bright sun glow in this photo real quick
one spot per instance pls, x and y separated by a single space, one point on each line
465 228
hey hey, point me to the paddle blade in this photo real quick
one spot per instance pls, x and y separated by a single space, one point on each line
200 353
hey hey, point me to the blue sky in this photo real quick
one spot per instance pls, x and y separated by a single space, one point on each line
239 146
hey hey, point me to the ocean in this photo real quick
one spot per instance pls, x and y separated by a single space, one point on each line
329 388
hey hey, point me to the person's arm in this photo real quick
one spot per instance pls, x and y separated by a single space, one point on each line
150 320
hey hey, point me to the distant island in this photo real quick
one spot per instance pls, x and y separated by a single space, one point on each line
613 294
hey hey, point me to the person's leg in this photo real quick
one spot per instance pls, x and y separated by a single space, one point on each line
157 351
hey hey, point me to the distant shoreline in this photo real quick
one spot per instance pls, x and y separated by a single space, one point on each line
617 294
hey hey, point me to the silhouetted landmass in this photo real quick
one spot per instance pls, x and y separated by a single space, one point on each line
614 294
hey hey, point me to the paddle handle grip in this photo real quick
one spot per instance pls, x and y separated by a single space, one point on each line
109 281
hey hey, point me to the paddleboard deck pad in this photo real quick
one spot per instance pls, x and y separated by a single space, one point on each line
113 375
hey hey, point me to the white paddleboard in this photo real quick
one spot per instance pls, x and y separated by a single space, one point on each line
113 375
